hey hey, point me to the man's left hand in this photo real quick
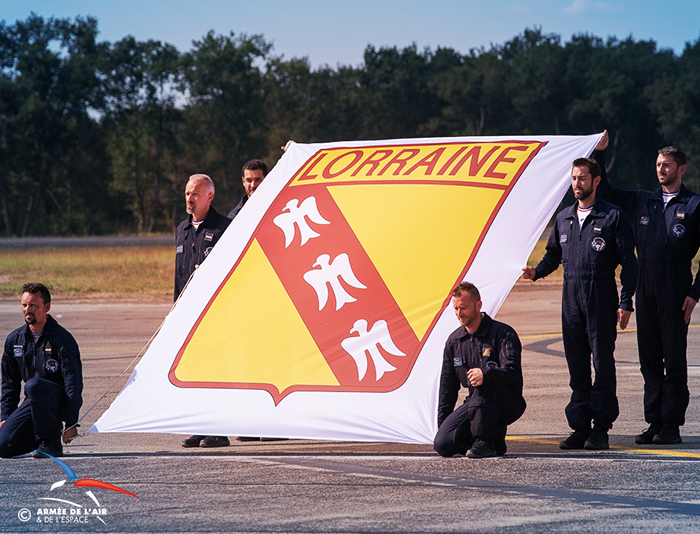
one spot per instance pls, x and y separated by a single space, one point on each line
688 307
603 141
475 376
623 317
70 434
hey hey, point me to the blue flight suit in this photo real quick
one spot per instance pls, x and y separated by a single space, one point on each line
51 370
232 214
590 302
667 241
193 245
494 348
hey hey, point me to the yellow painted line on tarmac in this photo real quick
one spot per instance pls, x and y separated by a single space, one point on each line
536 335
98 351
658 452
539 335
532 440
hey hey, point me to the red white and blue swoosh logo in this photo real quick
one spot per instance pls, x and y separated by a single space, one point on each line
81 482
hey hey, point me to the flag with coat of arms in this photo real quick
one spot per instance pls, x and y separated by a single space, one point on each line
323 310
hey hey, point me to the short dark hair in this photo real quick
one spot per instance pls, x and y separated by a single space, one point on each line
254 165
34 288
676 153
466 287
590 164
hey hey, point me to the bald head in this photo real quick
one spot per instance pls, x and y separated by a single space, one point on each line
202 179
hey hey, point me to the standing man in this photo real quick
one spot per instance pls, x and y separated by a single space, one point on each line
195 237
484 356
45 356
666 226
254 172
591 238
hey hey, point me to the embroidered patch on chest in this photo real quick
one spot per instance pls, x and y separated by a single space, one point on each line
678 230
598 244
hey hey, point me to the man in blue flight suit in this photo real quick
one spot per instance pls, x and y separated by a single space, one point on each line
195 237
590 239
484 356
666 226
45 356
254 172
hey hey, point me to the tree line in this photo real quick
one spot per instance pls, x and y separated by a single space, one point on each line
100 138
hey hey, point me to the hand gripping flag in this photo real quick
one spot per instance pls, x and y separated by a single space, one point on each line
323 310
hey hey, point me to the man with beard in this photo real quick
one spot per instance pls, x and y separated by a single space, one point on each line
666 226
254 172
591 238
44 356
483 355
195 237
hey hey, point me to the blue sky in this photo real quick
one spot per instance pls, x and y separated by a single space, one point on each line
330 32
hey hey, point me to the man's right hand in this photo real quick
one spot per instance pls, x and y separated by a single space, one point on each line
603 143
70 434
529 273
2 422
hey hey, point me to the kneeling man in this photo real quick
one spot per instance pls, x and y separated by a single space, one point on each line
484 356
45 356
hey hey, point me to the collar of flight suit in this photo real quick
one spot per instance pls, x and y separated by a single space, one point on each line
49 327
683 195
597 210
483 327
209 221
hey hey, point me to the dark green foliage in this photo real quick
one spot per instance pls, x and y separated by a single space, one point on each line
100 137
50 148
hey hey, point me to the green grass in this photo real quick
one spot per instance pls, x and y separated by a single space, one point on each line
138 273
90 272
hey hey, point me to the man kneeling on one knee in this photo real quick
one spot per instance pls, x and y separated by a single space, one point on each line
44 356
484 356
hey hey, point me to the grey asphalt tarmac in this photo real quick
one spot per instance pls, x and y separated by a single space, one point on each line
318 486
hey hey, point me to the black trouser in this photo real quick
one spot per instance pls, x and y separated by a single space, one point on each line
662 337
487 408
36 419
589 329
